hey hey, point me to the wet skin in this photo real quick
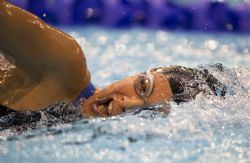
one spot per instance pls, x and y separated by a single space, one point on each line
127 94
52 68
48 60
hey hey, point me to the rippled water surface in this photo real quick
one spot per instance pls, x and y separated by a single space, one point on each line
207 129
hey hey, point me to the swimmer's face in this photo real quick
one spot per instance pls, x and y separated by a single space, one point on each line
145 89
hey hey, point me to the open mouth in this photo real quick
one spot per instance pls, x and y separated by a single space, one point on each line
108 107
103 106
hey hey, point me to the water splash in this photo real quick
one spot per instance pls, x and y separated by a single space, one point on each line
207 128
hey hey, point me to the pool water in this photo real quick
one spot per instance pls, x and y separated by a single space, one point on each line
212 129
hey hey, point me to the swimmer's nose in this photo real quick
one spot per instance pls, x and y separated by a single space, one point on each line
128 103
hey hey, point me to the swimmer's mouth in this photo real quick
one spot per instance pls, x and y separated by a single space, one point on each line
104 106
107 106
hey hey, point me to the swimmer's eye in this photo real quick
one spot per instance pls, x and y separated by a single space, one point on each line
142 85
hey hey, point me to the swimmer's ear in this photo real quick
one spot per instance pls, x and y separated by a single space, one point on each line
176 85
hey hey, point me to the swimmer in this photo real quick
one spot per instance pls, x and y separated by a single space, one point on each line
51 67
157 86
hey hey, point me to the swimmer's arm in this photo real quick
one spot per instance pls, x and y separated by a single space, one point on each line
31 43
49 57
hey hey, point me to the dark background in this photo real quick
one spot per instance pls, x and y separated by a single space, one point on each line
163 14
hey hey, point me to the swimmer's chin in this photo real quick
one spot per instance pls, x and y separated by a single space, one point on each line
86 108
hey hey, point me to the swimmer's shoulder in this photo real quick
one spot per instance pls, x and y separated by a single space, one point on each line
2 1
37 47
51 58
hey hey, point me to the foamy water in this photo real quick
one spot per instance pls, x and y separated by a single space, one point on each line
207 129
